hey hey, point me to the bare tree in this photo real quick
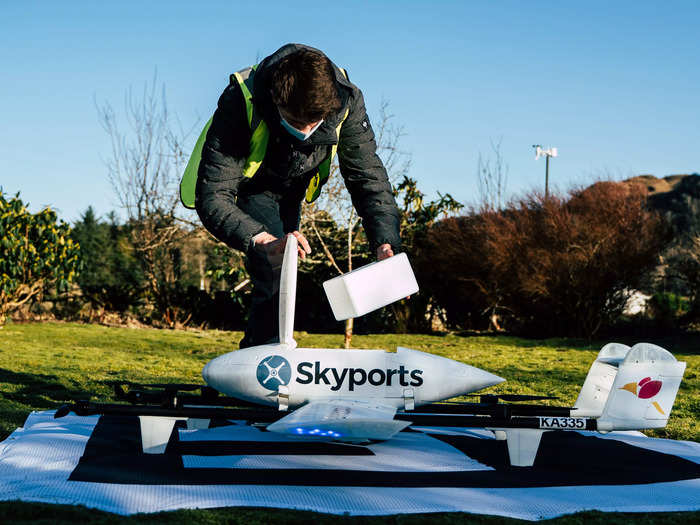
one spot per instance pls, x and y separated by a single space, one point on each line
334 207
144 166
492 175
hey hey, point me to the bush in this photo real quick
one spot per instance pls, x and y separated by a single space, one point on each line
667 308
36 253
544 266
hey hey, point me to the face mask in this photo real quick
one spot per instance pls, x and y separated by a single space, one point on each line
295 132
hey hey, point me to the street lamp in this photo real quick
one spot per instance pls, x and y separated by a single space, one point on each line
539 152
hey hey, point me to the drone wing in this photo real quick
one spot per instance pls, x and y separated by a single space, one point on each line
341 420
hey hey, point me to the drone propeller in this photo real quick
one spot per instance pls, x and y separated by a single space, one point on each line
174 386
168 393
62 411
493 398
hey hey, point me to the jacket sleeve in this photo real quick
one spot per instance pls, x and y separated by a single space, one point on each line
366 178
221 172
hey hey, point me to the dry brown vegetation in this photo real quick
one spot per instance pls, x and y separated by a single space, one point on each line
556 265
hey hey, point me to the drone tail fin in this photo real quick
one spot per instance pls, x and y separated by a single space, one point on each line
630 388
599 381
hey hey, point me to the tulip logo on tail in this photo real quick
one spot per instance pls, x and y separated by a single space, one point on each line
273 372
645 389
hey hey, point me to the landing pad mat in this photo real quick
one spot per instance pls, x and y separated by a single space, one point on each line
97 462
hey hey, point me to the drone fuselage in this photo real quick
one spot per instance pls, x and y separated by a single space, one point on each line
261 374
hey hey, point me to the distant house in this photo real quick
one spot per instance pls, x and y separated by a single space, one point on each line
636 304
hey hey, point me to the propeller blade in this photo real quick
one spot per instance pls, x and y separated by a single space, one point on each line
62 411
493 398
175 386
518 397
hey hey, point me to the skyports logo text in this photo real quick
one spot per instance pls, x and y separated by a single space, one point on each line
312 372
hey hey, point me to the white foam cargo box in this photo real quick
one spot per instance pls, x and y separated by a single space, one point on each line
370 287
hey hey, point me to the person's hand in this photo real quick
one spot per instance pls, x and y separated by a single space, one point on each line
302 244
272 246
263 239
384 251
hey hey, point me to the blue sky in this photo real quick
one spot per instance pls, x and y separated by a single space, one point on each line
615 87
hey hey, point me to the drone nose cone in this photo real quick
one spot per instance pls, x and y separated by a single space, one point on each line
206 372
466 379
478 379
214 374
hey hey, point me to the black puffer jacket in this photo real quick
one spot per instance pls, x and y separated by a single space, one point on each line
289 163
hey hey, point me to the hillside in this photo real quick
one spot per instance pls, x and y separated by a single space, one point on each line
678 197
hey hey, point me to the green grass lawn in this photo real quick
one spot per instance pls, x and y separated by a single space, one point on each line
45 365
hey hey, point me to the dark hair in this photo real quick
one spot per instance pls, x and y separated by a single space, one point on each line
303 84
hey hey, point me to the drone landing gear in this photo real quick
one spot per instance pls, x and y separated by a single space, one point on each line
522 444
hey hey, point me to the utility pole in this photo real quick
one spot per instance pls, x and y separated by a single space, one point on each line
539 152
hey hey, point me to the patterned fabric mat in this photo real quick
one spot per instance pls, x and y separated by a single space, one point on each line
97 462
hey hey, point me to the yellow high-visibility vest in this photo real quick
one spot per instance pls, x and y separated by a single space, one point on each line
258 147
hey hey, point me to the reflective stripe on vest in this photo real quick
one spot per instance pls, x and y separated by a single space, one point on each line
258 147
260 136
324 169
